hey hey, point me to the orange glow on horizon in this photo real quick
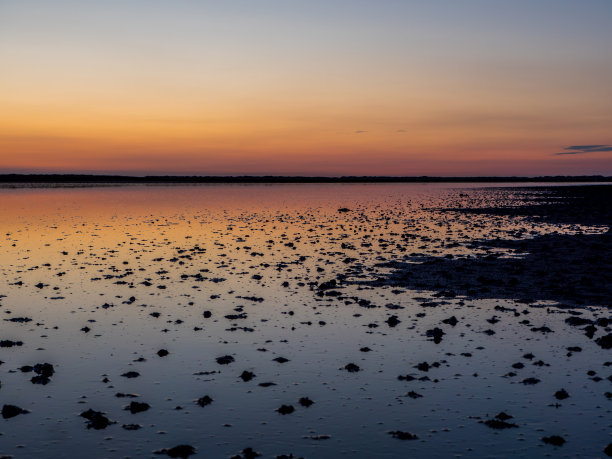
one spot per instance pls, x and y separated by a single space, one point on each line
286 101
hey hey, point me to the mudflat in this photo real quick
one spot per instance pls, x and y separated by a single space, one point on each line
306 320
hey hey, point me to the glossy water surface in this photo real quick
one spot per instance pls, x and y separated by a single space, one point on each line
111 275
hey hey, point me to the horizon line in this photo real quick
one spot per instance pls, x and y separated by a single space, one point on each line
118 178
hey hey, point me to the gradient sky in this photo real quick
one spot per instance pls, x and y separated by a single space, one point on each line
318 87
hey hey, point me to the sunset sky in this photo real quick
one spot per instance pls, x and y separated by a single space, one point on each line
318 87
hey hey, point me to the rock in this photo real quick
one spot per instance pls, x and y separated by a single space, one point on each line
392 321
577 321
204 401
131 426
137 407
605 341
225 360
305 402
131 374
608 450
590 331
162 353
10 411
503 416
285 409
96 419
281 360
247 376
436 334
40 379
400 435
248 453
498 424
328 285
423 366
351 368
182 451
267 384
555 440
45 369
452 321
9 343
530 381
20 320
561 394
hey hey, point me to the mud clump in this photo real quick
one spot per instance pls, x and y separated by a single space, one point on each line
225 360
401 435
554 440
285 409
10 411
204 401
137 407
96 419
181 451
352 368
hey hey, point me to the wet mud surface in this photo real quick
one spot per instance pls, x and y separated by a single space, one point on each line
312 320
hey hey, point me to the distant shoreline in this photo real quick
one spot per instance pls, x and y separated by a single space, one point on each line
169 179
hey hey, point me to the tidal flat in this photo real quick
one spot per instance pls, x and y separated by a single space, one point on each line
306 320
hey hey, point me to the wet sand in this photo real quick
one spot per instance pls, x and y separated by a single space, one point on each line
306 320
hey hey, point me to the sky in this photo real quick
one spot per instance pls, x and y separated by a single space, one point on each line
317 87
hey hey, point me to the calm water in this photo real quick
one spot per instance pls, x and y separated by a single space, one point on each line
110 276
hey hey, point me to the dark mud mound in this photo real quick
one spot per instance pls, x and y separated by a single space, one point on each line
566 268
586 205
571 269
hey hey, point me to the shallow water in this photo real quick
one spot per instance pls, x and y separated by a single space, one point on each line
107 258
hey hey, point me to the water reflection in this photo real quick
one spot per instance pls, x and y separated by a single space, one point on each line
111 276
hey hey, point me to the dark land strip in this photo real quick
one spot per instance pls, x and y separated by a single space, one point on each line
168 179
